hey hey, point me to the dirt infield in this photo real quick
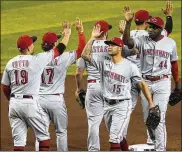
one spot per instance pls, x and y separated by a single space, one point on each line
77 126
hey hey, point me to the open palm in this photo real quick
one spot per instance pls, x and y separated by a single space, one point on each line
96 31
128 14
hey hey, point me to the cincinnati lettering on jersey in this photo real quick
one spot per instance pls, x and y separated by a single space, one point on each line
96 49
115 76
20 63
159 53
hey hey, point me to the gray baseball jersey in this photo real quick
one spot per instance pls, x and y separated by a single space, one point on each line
99 49
54 74
23 72
136 33
156 57
117 78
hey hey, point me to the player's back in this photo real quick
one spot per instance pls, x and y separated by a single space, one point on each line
99 50
54 74
24 72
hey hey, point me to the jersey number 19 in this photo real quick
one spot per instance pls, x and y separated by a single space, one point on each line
21 77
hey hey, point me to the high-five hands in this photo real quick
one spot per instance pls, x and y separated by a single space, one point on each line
128 14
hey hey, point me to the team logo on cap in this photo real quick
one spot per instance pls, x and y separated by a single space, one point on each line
154 20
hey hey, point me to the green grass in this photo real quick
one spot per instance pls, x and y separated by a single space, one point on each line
38 17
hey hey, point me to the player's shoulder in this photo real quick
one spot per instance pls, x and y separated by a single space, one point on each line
13 60
80 59
137 33
9 63
99 42
80 63
66 54
129 63
169 40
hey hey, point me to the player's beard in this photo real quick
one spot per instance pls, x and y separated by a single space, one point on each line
151 35
113 52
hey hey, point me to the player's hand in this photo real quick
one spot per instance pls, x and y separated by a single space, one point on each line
128 14
122 24
79 26
169 8
66 28
96 31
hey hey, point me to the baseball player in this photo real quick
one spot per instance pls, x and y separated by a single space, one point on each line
94 100
158 56
141 18
52 85
20 84
116 76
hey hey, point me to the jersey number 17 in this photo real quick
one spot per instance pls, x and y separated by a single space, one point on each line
47 76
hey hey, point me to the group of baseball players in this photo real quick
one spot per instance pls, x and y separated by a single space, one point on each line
138 63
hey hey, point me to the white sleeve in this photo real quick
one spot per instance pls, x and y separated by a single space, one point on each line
42 59
174 55
81 63
68 58
71 57
5 78
135 74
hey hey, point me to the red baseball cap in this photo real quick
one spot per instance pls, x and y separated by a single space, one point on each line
157 21
115 41
50 38
104 25
25 41
142 15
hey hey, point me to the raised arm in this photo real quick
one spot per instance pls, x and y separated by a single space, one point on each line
126 34
60 48
81 37
168 12
121 26
66 32
129 52
87 50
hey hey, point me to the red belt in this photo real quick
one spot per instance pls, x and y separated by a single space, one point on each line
24 96
154 78
93 81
